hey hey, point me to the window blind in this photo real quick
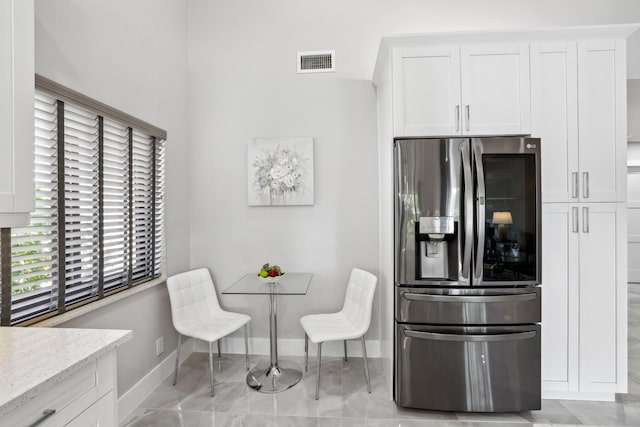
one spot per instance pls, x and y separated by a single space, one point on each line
34 249
80 204
116 201
99 219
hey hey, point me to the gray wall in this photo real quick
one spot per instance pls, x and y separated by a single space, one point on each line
132 56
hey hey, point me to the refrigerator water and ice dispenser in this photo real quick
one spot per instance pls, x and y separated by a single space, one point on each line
437 238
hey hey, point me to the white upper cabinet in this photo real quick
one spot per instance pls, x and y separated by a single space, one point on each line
554 117
16 111
427 91
602 123
579 111
461 90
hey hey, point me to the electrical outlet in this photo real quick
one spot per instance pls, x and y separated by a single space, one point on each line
159 346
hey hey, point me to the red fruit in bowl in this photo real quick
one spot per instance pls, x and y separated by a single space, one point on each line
273 273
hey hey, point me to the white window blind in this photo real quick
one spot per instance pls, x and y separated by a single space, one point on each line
81 204
159 207
142 177
99 219
116 205
34 249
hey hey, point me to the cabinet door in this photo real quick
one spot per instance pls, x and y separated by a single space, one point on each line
554 117
602 120
559 297
426 95
602 297
495 89
16 111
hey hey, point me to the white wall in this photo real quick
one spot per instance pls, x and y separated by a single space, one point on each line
130 55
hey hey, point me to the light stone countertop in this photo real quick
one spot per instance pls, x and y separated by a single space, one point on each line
32 360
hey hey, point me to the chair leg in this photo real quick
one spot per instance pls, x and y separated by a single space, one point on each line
211 364
175 375
366 365
219 349
319 363
306 352
345 350
246 344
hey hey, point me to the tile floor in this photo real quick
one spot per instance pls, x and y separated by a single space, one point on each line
344 400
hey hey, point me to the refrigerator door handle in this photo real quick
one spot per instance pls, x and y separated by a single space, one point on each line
470 337
480 214
468 210
575 219
471 298
458 118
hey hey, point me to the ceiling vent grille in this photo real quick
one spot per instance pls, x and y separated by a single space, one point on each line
317 62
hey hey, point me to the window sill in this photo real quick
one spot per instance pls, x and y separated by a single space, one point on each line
88 308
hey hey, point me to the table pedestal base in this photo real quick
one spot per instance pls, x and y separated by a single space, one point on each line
268 378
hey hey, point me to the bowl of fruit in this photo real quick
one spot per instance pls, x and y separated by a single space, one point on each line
270 273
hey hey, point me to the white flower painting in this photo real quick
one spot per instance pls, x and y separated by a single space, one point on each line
280 171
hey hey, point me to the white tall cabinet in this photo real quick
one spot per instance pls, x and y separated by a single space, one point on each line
16 111
579 111
567 87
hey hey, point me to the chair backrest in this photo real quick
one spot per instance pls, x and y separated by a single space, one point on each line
358 301
193 297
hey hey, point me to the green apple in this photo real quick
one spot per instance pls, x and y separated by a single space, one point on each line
263 273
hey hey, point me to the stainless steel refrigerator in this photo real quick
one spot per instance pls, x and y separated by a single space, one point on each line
467 270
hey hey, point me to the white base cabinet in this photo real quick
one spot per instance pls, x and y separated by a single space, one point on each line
85 398
584 298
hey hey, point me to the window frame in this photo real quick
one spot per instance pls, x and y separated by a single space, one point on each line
156 140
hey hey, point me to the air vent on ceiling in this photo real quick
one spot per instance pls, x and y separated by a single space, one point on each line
317 62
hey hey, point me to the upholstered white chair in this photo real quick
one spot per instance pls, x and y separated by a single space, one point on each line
352 322
196 313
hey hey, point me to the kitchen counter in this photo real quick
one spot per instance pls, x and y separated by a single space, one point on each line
33 360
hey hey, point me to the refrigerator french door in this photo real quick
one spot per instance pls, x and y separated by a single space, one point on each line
467 236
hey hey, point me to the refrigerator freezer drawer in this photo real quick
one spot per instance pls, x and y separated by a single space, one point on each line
473 306
470 369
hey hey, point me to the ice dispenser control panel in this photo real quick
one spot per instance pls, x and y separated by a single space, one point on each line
436 225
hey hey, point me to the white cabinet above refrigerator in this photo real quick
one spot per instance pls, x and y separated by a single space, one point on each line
477 89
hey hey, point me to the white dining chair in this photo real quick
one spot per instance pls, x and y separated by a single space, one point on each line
352 322
196 313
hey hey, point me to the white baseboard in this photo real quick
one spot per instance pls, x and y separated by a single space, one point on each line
133 397
569 395
291 347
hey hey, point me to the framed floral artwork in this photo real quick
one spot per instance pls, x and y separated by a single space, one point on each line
280 171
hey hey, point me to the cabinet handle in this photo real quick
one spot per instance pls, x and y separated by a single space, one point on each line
467 115
458 118
585 220
585 185
575 219
574 186
45 414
